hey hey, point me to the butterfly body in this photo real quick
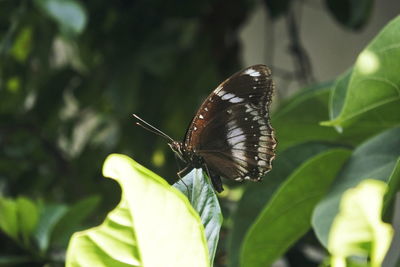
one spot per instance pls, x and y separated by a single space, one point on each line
230 135
187 155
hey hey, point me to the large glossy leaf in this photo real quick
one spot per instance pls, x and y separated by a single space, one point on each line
256 196
372 97
337 100
298 120
358 229
338 95
376 158
287 216
153 225
200 192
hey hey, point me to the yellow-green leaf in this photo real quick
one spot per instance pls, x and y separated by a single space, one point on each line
358 229
153 225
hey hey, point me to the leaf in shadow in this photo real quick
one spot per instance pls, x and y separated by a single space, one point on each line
376 158
287 216
372 98
256 196
200 192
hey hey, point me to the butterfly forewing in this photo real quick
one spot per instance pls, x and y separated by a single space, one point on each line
231 130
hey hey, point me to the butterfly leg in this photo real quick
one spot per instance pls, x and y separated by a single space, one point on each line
182 174
215 180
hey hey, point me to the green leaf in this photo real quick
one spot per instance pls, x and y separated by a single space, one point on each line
153 225
72 219
257 195
28 216
338 95
69 14
298 120
364 128
287 216
351 13
358 229
372 97
18 219
202 196
23 44
8 217
393 187
376 158
49 217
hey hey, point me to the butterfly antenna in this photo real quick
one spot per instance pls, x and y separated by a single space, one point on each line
147 126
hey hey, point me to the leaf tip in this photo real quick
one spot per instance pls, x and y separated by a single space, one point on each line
113 163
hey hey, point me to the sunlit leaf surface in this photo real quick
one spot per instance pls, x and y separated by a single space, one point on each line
153 225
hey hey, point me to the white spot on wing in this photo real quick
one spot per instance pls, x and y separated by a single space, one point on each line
201 116
240 146
236 139
234 132
249 108
220 92
262 149
252 72
262 163
235 99
227 96
242 169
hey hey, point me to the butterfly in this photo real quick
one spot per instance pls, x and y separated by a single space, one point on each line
230 136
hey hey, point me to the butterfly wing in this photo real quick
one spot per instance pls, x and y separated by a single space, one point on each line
231 130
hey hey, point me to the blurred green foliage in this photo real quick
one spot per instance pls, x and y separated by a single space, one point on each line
72 73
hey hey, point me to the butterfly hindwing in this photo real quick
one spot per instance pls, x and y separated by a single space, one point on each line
231 130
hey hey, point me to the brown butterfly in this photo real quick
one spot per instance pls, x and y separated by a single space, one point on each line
230 135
